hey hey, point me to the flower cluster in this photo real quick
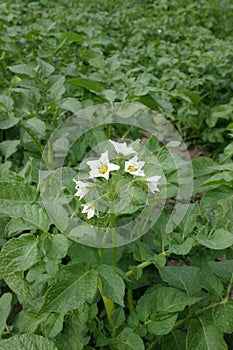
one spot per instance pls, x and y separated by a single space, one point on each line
102 167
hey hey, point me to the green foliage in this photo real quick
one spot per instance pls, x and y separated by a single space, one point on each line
209 336
112 284
26 342
72 280
167 290
5 308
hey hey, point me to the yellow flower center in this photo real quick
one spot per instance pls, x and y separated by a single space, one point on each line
103 169
132 168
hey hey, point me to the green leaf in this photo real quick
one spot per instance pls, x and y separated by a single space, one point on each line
14 191
59 247
118 317
8 123
28 322
174 341
128 109
9 176
5 308
219 112
71 342
75 332
212 198
45 68
172 300
159 260
36 125
149 101
97 61
204 335
225 177
113 285
223 317
76 284
145 306
160 301
88 84
141 251
16 198
109 95
53 325
163 325
23 69
33 215
128 340
189 222
186 278
58 215
212 284
15 226
18 255
71 104
223 269
27 342
228 150
220 239
56 87
6 103
15 194
72 37
183 248
16 283
154 103
54 247
7 148
82 254
202 166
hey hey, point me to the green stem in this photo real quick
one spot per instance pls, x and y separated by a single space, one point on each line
130 300
101 253
140 266
230 286
108 304
40 149
199 312
50 153
151 346
109 131
55 115
112 217
113 228
105 237
114 255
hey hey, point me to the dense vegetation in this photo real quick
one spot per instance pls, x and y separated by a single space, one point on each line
172 287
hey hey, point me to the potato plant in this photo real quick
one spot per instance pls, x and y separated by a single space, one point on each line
116 175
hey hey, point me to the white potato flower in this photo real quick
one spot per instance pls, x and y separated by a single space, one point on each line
153 182
101 167
122 148
82 188
134 167
89 209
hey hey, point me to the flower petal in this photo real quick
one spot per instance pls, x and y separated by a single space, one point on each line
82 188
122 148
134 167
112 167
101 167
104 158
153 182
89 209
